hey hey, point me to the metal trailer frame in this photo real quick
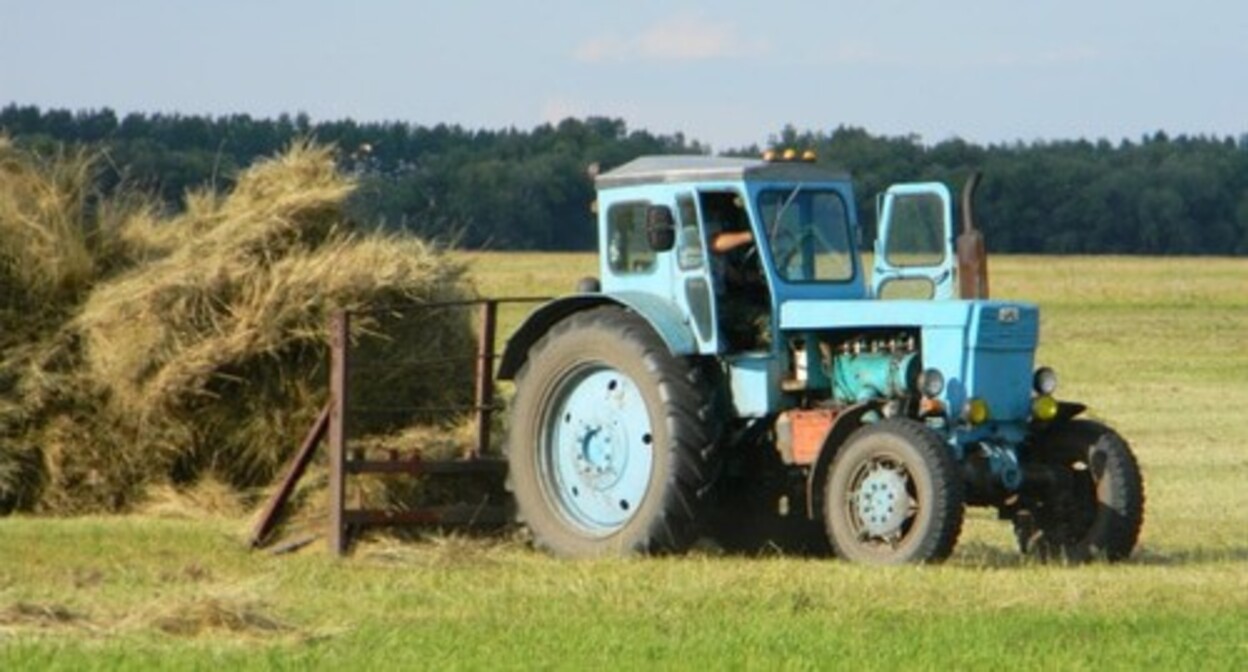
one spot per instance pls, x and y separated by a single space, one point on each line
331 427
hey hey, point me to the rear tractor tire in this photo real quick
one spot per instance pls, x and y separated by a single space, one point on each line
611 449
894 495
1095 507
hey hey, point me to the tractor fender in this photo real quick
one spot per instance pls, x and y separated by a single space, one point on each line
663 317
849 420
1066 411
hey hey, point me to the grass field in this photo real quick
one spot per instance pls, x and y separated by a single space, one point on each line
1156 347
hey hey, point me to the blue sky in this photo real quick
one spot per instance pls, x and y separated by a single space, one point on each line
728 73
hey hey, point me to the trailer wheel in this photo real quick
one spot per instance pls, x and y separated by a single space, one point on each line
893 495
612 444
1095 506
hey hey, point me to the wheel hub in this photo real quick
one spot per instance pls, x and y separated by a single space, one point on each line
603 456
599 450
881 501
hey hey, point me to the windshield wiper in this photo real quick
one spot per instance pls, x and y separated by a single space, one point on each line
775 223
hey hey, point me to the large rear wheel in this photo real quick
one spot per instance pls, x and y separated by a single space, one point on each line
611 448
893 495
1094 506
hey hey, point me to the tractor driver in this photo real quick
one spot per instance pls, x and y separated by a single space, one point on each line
728 230
737 272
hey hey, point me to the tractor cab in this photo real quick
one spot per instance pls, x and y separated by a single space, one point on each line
662 220
663 223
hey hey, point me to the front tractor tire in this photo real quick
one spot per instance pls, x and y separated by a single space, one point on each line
1094 506
611 449
894 495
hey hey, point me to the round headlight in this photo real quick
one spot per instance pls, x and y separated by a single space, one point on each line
931 383
1045 381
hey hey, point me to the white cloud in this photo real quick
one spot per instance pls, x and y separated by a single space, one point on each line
684 37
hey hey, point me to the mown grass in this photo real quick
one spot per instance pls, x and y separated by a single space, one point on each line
1155 346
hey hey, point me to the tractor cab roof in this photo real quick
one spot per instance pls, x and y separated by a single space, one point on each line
699 168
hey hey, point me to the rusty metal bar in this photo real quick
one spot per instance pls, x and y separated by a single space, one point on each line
340 343
457 514
298 465
418 467
485 378
414 410
401 306
343 521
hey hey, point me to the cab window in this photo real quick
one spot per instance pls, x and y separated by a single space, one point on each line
916 231
807 234
689 241
628 250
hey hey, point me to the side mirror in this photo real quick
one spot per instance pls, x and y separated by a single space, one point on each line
660 228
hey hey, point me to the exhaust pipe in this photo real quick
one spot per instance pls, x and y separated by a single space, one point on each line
972 255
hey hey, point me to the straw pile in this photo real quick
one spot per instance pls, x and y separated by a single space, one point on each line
139 349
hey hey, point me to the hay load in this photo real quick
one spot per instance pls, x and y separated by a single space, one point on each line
46 266
43 237
199 347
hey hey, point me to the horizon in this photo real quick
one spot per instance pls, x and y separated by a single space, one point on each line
1240 137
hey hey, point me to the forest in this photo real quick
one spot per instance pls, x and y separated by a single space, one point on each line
531 189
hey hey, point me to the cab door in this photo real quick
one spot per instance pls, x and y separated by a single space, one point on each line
694 286
914 249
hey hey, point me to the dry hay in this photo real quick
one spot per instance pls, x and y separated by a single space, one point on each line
205 499
194 346
442 550
44 253
42 616
46 265
204 615
229 615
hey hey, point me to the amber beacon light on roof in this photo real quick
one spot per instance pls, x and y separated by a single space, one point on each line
789 155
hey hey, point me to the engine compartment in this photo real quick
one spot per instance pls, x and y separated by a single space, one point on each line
831 371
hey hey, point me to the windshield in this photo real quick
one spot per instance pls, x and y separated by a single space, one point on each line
807 234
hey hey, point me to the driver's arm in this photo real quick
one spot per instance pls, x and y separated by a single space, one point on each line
727 241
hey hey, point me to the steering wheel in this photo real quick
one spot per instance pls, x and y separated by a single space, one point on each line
751 251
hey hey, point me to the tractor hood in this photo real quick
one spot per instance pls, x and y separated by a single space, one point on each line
1003 324
819 314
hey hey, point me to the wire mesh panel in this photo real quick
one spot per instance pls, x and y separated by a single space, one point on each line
413 394
411 378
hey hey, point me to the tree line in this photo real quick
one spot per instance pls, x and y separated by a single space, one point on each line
532 189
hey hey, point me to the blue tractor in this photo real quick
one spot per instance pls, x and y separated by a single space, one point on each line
735 372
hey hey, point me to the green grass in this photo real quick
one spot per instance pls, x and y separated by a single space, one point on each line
1157 348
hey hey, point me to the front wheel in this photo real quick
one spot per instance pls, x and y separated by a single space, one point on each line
1094 506
894 495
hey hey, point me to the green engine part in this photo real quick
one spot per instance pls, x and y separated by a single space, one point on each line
875 375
